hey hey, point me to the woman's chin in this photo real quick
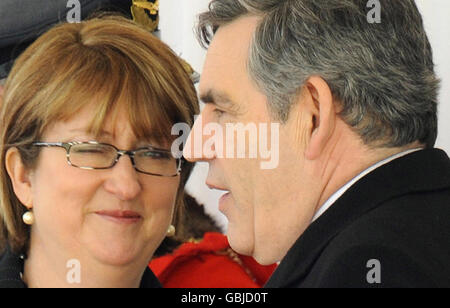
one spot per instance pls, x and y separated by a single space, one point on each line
117 253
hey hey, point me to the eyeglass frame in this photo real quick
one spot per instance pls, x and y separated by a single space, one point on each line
68 145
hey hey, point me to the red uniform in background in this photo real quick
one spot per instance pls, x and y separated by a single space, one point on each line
210 263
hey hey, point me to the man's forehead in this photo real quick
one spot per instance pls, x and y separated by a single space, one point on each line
227 57
234 39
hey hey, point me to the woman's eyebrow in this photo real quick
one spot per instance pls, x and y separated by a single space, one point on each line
150 139
86 131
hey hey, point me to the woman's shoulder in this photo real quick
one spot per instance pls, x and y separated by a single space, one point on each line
11 268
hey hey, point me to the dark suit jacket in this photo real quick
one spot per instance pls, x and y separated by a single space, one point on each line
390 229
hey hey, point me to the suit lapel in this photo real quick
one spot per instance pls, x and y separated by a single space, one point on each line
420 171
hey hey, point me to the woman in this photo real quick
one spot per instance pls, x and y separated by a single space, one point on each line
89 186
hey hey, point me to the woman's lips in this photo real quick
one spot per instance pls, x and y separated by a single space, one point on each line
127 217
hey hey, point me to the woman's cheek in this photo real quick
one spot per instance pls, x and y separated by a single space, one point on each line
61 202
159 208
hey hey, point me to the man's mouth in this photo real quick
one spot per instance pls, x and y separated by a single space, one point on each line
213 186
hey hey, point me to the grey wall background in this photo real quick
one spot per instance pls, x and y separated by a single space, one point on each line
177 23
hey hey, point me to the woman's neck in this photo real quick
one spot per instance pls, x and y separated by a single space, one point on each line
46 268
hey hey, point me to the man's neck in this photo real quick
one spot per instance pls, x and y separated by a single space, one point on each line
350 159
336 195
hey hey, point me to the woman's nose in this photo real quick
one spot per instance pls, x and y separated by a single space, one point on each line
123 180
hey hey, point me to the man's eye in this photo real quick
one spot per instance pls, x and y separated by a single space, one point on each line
218 112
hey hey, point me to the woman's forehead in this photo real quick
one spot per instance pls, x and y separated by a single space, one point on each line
114 125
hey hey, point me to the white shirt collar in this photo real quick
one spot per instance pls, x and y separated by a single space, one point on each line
344 188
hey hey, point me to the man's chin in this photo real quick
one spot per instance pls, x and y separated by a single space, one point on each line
265 259
263 254
262 257
240 242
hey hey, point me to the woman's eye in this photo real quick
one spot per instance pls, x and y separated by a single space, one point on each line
90 150
156 155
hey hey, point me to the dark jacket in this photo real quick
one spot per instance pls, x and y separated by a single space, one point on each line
11 269
390 229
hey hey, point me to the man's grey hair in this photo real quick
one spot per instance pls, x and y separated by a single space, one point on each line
2 82
381 73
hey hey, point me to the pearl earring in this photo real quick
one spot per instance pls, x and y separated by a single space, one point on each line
28 218
171 231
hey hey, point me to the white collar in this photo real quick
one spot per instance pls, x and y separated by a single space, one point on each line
344 188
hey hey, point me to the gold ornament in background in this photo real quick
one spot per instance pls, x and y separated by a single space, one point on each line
145 13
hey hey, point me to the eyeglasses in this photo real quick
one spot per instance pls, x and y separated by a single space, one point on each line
93 155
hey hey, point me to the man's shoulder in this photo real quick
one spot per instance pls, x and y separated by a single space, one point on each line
406 237
413 222
410 217
397 215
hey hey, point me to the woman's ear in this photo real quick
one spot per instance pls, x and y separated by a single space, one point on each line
323 115
20 177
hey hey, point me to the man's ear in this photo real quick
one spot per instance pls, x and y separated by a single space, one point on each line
323 113
19 176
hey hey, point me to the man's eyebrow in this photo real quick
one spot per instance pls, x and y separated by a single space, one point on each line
217 98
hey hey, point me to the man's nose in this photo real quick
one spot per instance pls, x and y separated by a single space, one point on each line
194 149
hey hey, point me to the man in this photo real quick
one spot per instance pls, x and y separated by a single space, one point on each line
359 198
